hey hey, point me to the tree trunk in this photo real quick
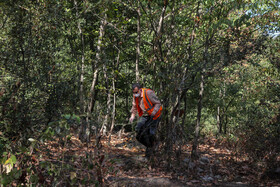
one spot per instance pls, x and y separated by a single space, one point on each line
86 129
108 104
138 43
114 96
194 153
114 99
225 124
219 121
96 68
82 64
198 117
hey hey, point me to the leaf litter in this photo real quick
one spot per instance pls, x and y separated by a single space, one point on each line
122 163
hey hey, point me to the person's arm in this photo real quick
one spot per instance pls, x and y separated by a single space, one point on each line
154 100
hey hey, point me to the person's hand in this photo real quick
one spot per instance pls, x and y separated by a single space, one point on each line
131 119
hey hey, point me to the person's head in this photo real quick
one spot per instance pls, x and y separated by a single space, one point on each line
136 89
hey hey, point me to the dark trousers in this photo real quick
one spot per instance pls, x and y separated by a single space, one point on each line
146 130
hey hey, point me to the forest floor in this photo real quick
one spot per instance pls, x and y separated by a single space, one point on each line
122 163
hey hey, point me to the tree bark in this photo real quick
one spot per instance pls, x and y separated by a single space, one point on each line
138 42
114 96
219 121
198 117
194 153
82 64
96 68
105 122
86 128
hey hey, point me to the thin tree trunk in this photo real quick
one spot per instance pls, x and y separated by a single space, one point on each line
225 124
81 80
219 122
114 97
194 153
160 30
96 68
127 93
138 43
92 92
114 107
224 108
108 104
218 119
198 117
105 122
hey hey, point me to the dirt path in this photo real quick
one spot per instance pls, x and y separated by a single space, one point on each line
135 169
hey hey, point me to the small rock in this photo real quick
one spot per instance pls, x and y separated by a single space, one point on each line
199 170
191 165
218 177
195 181
217 161
204 159
207 178
202 163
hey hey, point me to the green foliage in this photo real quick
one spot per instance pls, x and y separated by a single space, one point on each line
51 53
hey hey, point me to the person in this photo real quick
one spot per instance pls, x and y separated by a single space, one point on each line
147 105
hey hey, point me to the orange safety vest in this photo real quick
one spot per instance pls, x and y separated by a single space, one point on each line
149 106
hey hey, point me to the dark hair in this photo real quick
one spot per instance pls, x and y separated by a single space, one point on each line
138 85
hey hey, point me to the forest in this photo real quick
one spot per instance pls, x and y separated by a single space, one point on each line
66 70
